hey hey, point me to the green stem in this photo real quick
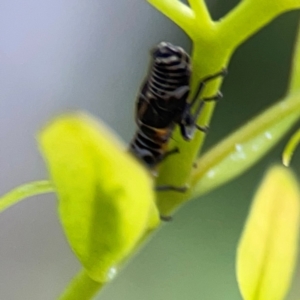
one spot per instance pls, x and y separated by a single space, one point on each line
295 73
248 17
200 9
81 287
178 12
84 288
290 147
176 169
24 191
252 139
213 47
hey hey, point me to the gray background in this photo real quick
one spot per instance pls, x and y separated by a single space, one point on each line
92 55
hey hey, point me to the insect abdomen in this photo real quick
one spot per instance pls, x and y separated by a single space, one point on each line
161 102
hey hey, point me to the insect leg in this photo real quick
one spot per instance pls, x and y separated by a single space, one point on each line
167 188
170 152
188 122
162 188
166 218
202 84
215 97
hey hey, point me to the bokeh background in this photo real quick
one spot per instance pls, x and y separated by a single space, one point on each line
92 55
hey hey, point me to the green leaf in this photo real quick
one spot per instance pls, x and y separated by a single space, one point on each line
106 199
267 250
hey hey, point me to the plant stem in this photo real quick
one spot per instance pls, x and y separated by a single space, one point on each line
214 44
176 169
251 139
295 73
81 287
24 191
290 148
200 9
178 12
250 16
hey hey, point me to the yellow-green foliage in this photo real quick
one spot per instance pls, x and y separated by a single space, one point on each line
214 42
267 251
106 198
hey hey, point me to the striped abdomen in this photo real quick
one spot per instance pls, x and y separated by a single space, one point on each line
161 102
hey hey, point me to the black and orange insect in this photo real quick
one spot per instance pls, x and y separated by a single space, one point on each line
162 103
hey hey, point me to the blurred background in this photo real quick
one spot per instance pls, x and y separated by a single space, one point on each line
92 55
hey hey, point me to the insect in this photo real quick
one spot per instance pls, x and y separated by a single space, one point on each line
162 103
